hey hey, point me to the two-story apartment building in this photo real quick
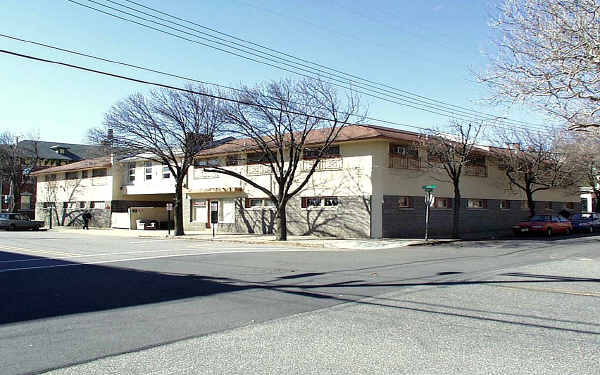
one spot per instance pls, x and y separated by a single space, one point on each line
369 185
115 193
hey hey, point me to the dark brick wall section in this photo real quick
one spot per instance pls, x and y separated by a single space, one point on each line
490 221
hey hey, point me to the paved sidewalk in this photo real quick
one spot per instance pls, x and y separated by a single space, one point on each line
298 241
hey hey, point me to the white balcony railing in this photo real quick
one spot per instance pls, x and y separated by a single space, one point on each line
328 164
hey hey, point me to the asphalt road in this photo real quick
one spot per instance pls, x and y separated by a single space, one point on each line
519 306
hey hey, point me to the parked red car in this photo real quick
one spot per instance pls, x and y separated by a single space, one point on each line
546 224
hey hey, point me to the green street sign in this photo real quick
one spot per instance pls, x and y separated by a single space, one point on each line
429 187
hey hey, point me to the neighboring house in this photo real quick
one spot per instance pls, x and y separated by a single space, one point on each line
102 187
369 185
49 154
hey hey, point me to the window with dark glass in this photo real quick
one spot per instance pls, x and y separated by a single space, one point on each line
329 152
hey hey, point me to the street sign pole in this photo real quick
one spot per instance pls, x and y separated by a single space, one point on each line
169 209
428 202
427 215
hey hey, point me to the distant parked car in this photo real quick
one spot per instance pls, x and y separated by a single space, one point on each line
545 224
586 222
14 221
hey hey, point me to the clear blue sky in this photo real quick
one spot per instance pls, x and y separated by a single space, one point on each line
427 47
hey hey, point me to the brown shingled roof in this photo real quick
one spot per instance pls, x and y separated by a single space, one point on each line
347 134
103 162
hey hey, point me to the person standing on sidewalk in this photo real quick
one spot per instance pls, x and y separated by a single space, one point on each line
86 220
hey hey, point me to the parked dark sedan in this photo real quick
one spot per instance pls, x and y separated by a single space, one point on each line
13 221
586 222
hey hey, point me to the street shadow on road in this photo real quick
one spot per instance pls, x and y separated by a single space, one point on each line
73 288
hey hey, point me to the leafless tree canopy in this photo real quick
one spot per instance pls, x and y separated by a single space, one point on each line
17 161
548 54
453 152
282 121
536 161
584 151
167 126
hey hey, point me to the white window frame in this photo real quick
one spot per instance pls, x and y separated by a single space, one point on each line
131 172
148 168
166 172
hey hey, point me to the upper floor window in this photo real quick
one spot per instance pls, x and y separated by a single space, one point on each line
99 172
166 172
505 204
204 163
148 170
407 151
72 175
84 174
50 177
257 158
131 172
405 202
328 152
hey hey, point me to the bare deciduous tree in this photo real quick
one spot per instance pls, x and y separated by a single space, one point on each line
282 122
536 161
17 161
167 126
584 151
453 153
548 54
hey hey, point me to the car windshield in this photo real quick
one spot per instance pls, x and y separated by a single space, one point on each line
540 218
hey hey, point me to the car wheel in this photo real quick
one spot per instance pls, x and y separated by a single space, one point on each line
591 230
36 228
568 231
12 227
549 232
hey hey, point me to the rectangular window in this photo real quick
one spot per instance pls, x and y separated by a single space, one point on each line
256 158
570 205
548 205
72 175
253 202
99 172
50 177
329 152
81 204
406 151
70 205
98 204
442 203
84 174
131 172
148 170
166 173
404 202
203 163
232 160
312 202
504 204
330 201
477 203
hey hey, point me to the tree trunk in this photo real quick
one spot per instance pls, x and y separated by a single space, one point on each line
530 202
281 222
456 211
178 208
